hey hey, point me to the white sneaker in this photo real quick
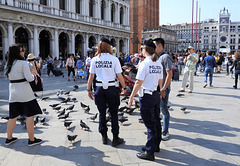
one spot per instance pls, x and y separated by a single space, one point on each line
165 136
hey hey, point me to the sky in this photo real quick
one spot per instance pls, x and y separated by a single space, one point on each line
180 11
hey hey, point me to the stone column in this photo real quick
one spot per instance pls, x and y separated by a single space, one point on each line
73 43
98 9
109 11
35 41
86 45
56 44
118 14
10 34
117 45
127 46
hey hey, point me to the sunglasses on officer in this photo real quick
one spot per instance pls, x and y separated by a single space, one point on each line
22 50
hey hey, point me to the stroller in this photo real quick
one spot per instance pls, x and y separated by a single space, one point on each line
129 85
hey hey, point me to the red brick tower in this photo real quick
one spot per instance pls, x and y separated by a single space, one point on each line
143 14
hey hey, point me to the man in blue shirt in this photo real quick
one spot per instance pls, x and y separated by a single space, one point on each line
209 63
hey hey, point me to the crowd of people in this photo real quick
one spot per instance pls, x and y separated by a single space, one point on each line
153 69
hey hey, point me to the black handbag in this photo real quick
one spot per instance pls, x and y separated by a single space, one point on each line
37 84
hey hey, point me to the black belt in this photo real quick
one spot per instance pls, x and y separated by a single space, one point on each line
108 81
18 81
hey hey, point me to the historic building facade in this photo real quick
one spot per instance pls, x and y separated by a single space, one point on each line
59 27
222 35
143 14
169 36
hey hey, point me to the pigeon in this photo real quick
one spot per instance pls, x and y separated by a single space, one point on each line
70 108
65 116
53 105
44 98
125 98
93 117
75 87
87 109
83 105
122 120
179 95
65 101
44 110
42 121
120 113
67 93
140 120
83 125
6 118
36 121
71 138
22 120
61 112
122 109
57 108
74 90
130 110
67 124
74 100
183 108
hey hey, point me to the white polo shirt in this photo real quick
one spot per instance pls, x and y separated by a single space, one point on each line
150 73
105 67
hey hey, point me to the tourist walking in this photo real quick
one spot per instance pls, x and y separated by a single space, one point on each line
236 65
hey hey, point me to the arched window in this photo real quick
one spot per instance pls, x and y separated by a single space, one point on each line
43 2
121 15
113 13
91 8
103 5
62 4
78 6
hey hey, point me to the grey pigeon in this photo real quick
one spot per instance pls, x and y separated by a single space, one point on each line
83 125
67 124
179 95
93 117
62 112
53 105
70 107
71 138
57 108
183 108
65 116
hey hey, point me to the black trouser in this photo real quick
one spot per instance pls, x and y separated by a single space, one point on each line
111 97
70 69
49 67
150 113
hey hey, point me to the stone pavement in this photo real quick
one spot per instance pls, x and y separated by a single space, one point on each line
207 133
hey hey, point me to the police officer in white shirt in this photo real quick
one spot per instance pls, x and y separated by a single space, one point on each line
149 76
106 67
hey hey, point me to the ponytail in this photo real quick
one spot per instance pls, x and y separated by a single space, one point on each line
154 57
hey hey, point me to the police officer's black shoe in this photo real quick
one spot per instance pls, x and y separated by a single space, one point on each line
144 149
146 156
117 141
105 140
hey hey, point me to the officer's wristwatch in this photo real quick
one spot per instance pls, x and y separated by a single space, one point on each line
89 90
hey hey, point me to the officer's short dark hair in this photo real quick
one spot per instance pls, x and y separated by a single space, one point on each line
160 41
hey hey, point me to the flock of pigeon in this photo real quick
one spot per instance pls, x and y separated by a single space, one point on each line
63 113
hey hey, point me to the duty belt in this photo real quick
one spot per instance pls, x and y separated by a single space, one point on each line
110 83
